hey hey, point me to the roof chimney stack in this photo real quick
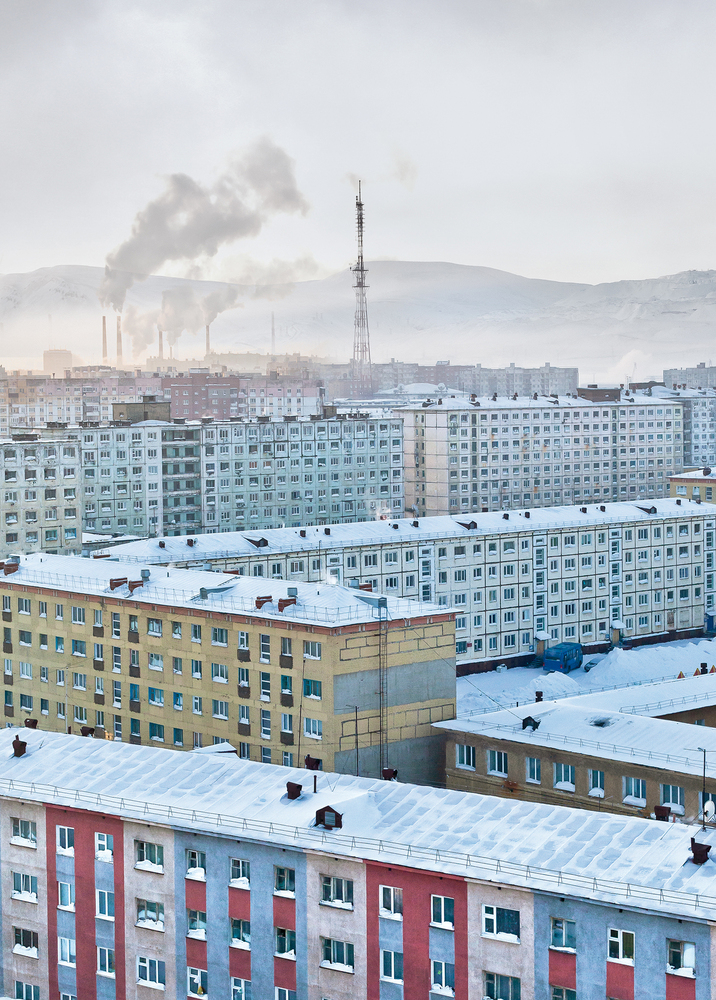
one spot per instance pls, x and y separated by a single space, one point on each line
104 340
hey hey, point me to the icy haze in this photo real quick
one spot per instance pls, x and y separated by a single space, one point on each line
419 311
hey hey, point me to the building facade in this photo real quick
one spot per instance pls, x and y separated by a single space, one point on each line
697 485
204 394
185 658
322 470
464 454
625 751
129 869
572 572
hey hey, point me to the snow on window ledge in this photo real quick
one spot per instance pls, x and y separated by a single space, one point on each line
286 893
149 866
443 991
564 786
337 904
631 800
196 874
197 935
242 945
239 883
18 949
104 855
596 793
150 925
512 938
151 986
26 897
685 972
389 915
23 842
337 967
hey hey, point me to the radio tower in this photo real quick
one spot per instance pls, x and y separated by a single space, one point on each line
362 379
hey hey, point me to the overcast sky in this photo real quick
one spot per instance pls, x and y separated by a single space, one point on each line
567 140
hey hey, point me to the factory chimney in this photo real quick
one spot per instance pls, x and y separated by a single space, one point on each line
273 337
104 340
208 345
119 341
160 352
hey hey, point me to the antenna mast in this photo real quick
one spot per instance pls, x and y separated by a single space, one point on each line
362 379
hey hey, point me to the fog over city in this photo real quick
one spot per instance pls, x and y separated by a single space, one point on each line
537 140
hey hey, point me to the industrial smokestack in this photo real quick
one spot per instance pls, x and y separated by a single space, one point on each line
161 347
273 336
208 345
119 341
104 340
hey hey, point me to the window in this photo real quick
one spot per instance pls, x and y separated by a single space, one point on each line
534 770
78 616
337 891
312 689
150 857
337 953
154 626
596 783
564 934
563 993
502 987
196 637
241 989
151 970
443 911
564 775
673 795
497 762
313 728
24 832
105 904
197 982
240 871
196 863
24 886
196 924
285 942
196 704
240 933
25 991
66 952
497 921
634 791
621 946
443 977
392 966
150 914
79 647
196 670
391 902
65 840
65 895
265 648
284 881
105 961
681 956
311 650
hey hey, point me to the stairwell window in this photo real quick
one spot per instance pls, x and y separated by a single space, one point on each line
497 763
443 911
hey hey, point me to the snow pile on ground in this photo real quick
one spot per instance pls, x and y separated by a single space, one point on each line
619 668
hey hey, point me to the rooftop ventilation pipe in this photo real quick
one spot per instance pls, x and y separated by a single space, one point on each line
31 723
19 747
260 601
162 544
292 591
699 852
311 763
87 730
527 514
9 568
118 581
190 542
145 574
285 602
389 774
415 524
539 695
302 532
133 584
326 531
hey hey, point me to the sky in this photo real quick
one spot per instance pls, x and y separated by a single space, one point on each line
549 138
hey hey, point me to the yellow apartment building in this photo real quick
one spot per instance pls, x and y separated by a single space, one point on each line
192 659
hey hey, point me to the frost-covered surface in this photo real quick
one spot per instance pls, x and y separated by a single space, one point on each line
619 668
598 855
279 540
319 603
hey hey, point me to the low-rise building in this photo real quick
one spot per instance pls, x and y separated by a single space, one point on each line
568 571
696 484
629 750
183 658
128 869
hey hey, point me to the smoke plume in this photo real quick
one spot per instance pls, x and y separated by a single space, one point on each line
189 220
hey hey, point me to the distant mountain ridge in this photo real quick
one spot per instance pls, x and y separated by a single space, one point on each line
423 311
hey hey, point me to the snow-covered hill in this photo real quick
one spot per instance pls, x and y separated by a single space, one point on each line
418 310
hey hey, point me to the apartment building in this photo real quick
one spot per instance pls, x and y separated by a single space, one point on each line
464 454
573 572
198 394
267 473
699 426
477 379
129 868
697 485
701 377
29 401
624 751
184 658
42 492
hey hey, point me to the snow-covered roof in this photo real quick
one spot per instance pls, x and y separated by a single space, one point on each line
461 401
243 543
317 603
612 725
620 859
694 474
